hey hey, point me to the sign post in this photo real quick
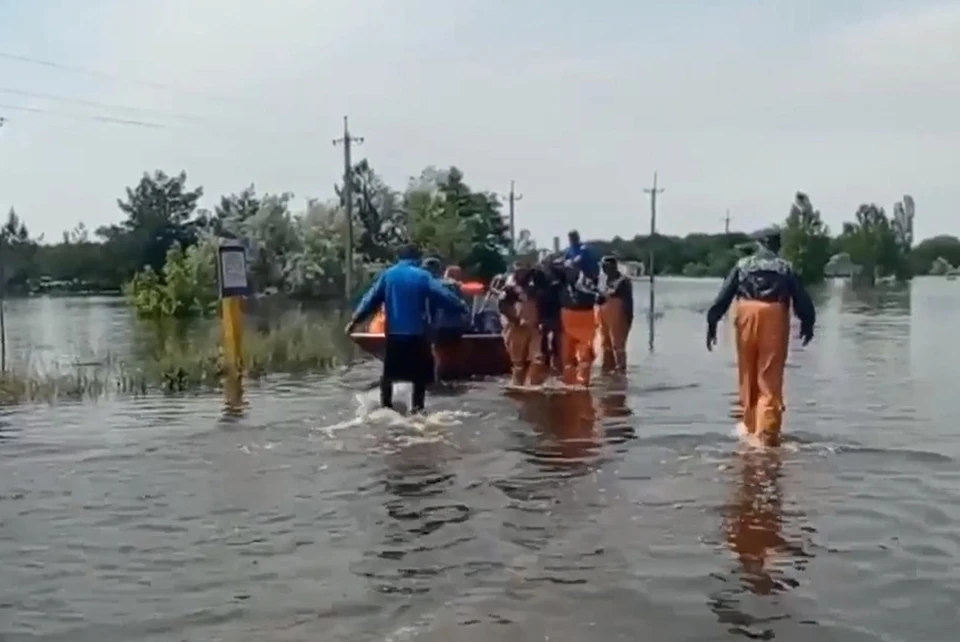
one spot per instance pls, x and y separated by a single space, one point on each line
234 286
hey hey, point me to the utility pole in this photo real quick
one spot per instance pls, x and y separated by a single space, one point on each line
347 141
512 199
726 223
652 191
3 296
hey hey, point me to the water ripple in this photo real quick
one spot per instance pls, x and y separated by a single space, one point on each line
591 515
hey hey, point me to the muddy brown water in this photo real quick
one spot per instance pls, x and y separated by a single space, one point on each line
627 513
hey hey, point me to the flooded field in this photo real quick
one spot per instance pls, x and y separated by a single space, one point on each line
626 513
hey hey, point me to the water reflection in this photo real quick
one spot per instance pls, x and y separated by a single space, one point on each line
614 413
234 406
413 537
754 528
566 429
885 300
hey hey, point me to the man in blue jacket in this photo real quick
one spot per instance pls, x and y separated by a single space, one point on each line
582 257
406 290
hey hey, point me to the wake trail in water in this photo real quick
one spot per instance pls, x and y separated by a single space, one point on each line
370 412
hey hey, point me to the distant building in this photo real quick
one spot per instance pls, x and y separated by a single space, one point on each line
634 269
840 266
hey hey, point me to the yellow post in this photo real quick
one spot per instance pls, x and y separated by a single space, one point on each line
234 285
231 320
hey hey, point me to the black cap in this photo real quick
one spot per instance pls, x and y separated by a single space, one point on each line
770 237
409 252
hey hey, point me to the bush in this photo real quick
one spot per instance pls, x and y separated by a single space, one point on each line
187 287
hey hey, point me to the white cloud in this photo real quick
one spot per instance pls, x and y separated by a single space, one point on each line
736 108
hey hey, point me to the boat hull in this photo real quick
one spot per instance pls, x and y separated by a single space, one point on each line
475 355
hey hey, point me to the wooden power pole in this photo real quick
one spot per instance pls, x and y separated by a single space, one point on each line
512 198
348 141
652 191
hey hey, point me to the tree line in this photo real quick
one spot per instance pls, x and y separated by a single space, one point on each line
871 246
162 252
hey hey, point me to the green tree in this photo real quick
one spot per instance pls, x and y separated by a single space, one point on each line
187 286
16 253
317 267
806 240
234 209
929 250
480 213
378 215
871 243
431 226
272 235
159 211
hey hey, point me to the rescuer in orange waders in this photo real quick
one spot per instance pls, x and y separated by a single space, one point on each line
519 306
615 317
764 287
578 318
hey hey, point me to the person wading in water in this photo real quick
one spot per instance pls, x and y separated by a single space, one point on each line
405 290
615 316
764 287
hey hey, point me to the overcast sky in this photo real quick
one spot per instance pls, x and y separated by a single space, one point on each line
737 103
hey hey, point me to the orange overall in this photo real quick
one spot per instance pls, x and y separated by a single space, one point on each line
378 324
579 322
762 337
521 335
614 323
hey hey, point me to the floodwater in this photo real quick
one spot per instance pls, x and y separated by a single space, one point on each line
627 513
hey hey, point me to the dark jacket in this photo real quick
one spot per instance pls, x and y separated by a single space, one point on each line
582 295
622 288
764 276
443 318
528 292
405 290
550 296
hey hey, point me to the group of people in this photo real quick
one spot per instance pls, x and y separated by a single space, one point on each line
552 314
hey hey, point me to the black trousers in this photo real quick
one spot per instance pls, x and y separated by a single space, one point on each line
406 358
550 342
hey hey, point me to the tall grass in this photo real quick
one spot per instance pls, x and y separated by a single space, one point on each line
180 361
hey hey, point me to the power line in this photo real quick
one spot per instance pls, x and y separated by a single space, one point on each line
96 73
92 117
90 103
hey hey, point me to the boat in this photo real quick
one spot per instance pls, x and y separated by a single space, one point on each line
480 353
477 355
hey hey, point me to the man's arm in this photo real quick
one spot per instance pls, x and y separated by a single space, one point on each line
443 297
505 304
724 298
370 302
803 306
624 291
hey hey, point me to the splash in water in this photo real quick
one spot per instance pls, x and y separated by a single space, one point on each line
370 412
